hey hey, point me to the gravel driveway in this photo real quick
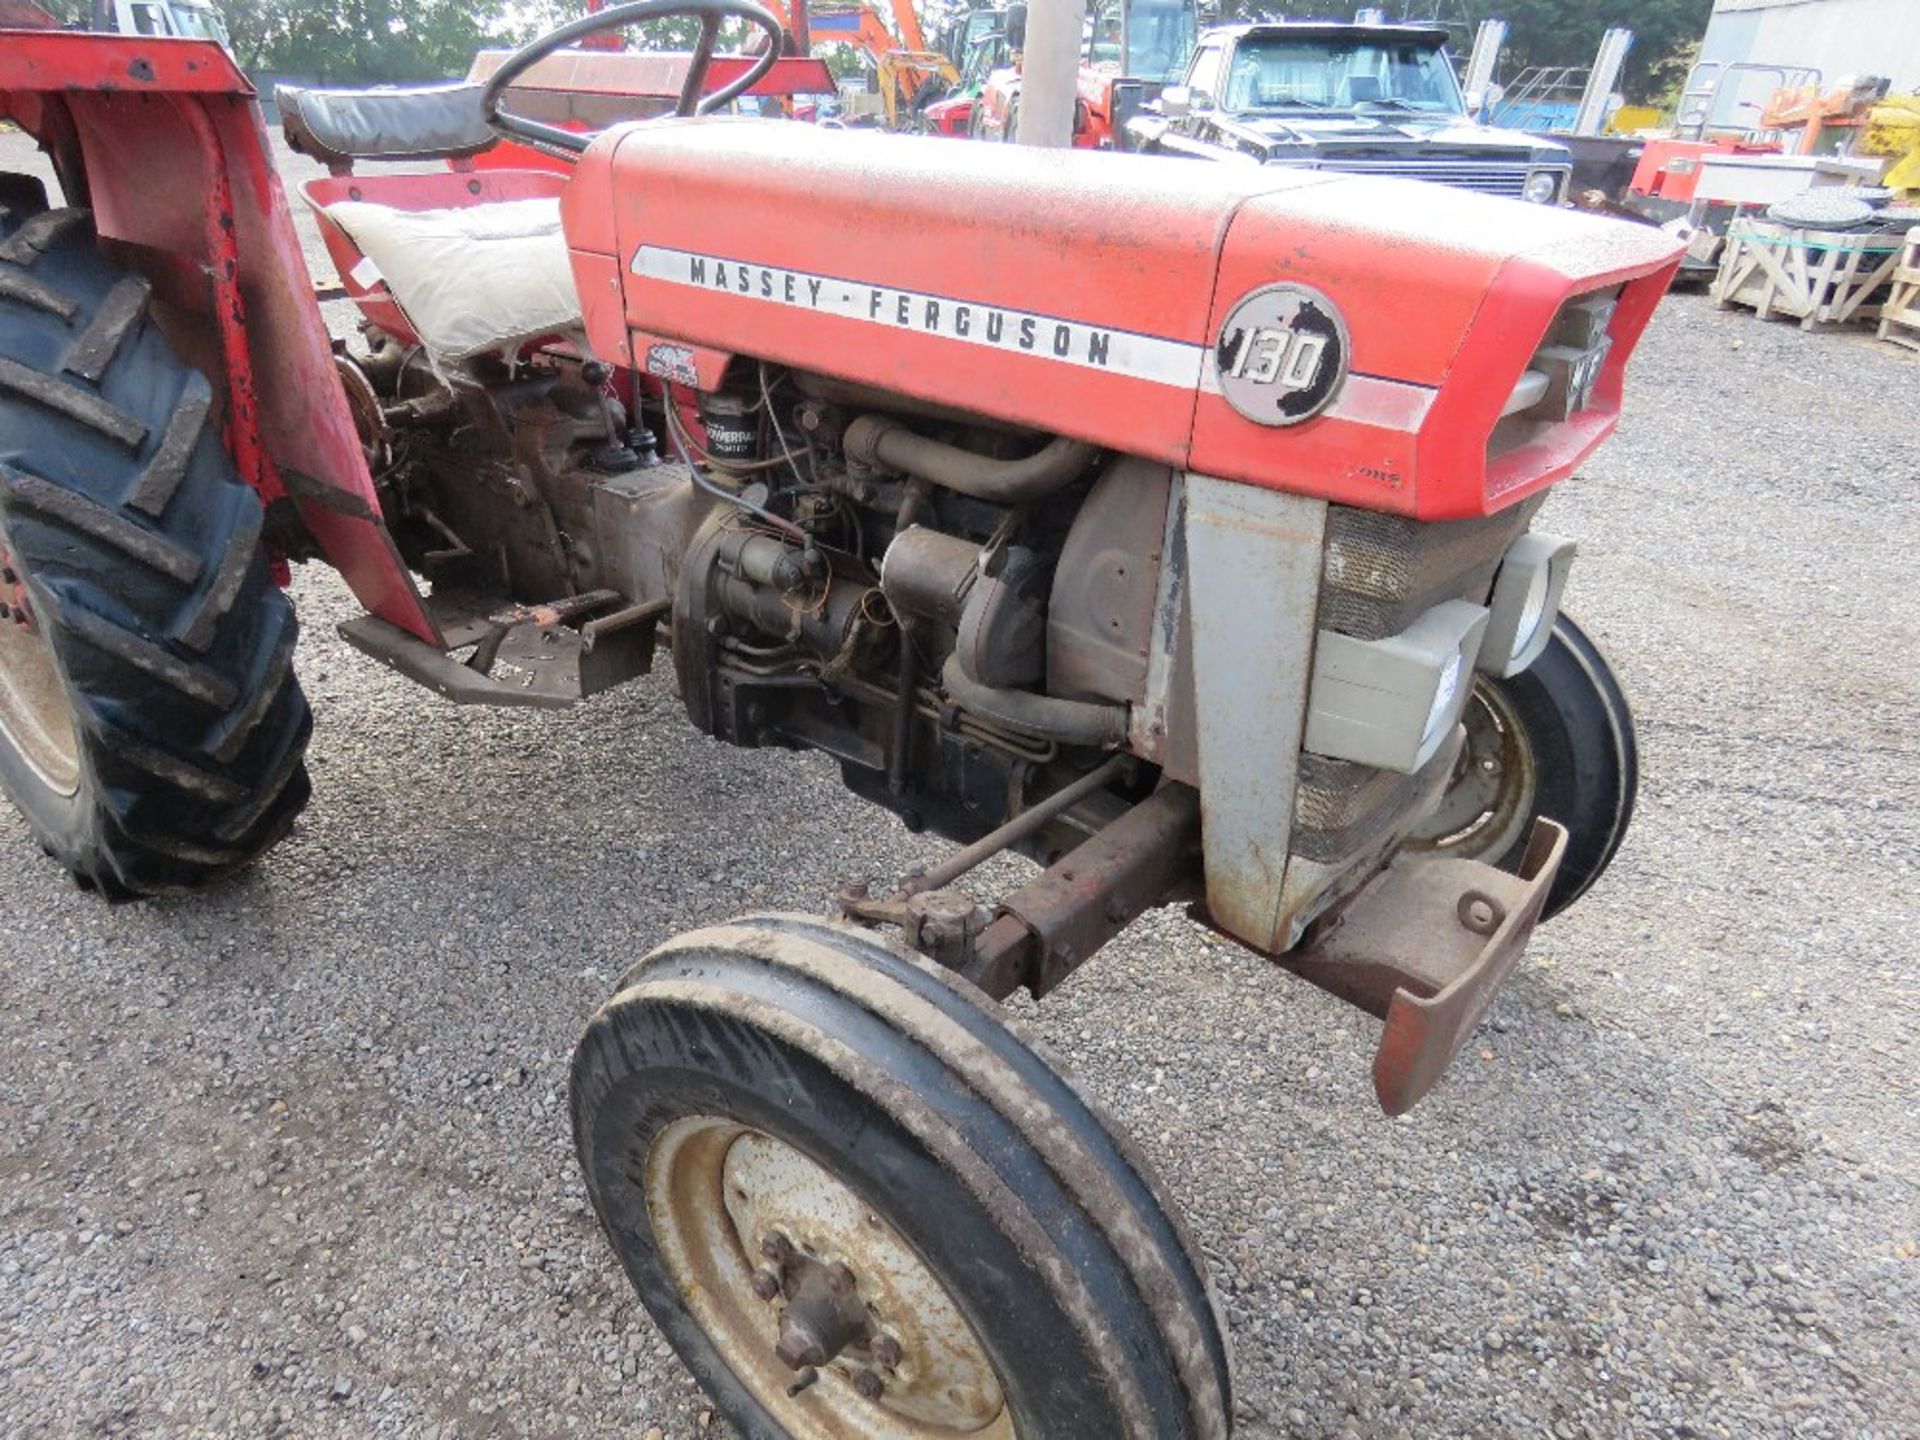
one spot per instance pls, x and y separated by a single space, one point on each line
292 1157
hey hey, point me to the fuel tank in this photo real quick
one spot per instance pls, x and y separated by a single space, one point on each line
1381 343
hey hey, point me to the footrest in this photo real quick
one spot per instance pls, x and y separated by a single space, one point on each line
446 676
547 656
1425 946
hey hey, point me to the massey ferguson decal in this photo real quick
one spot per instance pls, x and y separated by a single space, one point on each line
1282 354
1069 342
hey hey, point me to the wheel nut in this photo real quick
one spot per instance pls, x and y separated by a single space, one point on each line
886 1351
869 1385
840 1279
797 1351
766 1285
777 1248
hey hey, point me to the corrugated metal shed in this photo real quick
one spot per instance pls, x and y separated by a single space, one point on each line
1841 37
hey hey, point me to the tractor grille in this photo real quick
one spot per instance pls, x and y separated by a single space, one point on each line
1496 178
1342 810
1382 571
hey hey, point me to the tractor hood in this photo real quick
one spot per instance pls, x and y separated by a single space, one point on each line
1347 336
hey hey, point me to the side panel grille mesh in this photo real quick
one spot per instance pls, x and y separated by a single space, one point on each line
1382 571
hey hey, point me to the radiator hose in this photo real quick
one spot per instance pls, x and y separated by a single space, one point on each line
888 445
1068 722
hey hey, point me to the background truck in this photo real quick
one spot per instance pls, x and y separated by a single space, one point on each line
192 19
1363 99
1178 538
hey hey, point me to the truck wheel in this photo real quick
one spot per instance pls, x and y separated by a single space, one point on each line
1555 740
860 1204
150 728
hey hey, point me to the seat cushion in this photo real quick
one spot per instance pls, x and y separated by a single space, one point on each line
473 279
387 123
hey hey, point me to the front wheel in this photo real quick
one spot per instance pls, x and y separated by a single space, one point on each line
861 1207
1555 740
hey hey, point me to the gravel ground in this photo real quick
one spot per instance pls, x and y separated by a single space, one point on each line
291 1158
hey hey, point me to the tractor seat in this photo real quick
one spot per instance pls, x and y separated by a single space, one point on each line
470 279
425 122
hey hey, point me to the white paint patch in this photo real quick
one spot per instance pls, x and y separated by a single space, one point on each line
993 327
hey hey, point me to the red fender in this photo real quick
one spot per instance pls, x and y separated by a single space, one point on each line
165 139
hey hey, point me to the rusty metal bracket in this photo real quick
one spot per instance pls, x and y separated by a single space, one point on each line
1425 946
1042 932
545 616
1094 892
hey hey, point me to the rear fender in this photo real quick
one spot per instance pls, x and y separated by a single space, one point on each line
163 141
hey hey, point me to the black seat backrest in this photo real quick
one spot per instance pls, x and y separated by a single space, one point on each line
428 122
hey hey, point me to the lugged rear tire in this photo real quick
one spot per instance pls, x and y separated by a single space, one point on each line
167 647
838 1064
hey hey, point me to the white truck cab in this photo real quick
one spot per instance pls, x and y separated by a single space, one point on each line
188 19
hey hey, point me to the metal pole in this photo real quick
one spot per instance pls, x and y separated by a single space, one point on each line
1017 829
1591 117
1484 62
1049 71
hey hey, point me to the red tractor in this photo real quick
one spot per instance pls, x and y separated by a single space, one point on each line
1177 537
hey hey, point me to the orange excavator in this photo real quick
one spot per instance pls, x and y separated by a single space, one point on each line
908 72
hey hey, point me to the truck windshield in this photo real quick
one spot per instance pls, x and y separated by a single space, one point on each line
1151 43
1159 38
200 24
1275 72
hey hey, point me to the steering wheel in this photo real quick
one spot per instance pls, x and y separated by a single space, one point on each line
569 143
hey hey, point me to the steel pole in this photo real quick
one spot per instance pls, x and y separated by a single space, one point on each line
1049 71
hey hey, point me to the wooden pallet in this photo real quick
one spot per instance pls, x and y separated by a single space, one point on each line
1900 314
1818 277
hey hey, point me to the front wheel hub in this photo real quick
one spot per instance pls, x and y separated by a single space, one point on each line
823 1314
814 1301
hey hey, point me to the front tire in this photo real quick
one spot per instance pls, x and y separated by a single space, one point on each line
766 1104
151 731
1555 740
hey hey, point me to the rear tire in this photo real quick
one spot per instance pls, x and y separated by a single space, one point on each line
154 735
785 1046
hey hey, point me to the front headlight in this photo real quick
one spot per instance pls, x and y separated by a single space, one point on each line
1525 602
1543 187
1444 695
1390 703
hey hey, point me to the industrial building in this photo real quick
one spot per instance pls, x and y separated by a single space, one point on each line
1839 37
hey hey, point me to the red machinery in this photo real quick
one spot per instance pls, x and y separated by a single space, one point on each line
1176 537
1133 49
1670 169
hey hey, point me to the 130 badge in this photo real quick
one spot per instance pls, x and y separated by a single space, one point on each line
1282 354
